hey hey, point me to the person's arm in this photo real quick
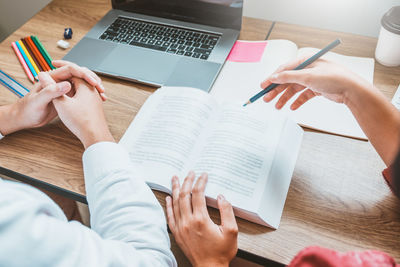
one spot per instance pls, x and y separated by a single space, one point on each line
203 242
123 208
378 118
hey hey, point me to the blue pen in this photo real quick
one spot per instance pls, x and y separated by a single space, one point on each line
299 67
13 85
26 60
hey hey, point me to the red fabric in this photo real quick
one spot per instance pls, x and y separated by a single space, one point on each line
388 175
322 257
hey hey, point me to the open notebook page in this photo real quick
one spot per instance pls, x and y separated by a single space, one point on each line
238 82
238 153
164 134
322 114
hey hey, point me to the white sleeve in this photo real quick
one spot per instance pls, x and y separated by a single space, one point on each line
128 224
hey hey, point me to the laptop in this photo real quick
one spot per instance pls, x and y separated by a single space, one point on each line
162 42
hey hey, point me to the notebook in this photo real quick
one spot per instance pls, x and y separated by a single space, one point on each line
249 157
238 81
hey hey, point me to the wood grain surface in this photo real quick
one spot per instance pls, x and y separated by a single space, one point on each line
337 198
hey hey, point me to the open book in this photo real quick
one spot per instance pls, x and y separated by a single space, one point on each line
249 154
239 81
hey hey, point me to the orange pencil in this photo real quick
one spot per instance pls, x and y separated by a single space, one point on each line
23 63
38 55
32 55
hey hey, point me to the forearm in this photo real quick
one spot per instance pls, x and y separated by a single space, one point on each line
378 118
122 206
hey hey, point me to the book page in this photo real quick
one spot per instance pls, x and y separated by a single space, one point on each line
162 138
238 153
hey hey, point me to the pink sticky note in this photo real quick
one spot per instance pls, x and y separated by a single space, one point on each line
247 51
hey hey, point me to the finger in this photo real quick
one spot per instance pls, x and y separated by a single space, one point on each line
273 93
228 222
289 93
53 91
303 98
170 215
185 199
45 80
70 70
198 196
288 66
292 76
175 198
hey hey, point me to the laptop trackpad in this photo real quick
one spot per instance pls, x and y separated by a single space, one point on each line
140 64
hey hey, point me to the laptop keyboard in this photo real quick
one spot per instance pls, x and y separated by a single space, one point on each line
169 39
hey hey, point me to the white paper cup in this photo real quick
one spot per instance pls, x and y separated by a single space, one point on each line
388 48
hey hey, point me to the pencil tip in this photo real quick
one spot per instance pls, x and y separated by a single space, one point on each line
245 104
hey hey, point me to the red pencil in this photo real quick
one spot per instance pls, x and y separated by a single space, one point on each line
23 63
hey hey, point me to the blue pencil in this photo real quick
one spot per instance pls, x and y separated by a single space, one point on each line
26 60
299 67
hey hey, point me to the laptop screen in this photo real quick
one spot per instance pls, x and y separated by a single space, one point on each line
219 13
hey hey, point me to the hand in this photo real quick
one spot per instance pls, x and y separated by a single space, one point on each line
36 108
33 110
323 77
67 70
83 114
202 241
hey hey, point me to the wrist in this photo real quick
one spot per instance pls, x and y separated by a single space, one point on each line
93 137
354 91
9 119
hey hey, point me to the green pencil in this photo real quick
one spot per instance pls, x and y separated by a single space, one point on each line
42 50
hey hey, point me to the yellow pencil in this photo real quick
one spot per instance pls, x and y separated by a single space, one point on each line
29 56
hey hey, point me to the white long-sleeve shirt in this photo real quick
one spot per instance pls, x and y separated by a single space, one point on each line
128 223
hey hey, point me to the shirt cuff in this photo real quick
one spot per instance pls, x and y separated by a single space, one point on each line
102 158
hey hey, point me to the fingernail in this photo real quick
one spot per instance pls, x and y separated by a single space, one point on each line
104 95
221 197
191 173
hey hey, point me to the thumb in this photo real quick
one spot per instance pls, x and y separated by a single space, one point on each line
301 77
228 221
53 91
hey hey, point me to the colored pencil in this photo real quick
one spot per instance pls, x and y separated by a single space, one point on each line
30 52
23 63
299 67
29 57
43 51
36 53
13 85
30 40
26 60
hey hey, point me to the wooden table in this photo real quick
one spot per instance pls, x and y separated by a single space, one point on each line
337 198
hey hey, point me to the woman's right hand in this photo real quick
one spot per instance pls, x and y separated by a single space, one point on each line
323 77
